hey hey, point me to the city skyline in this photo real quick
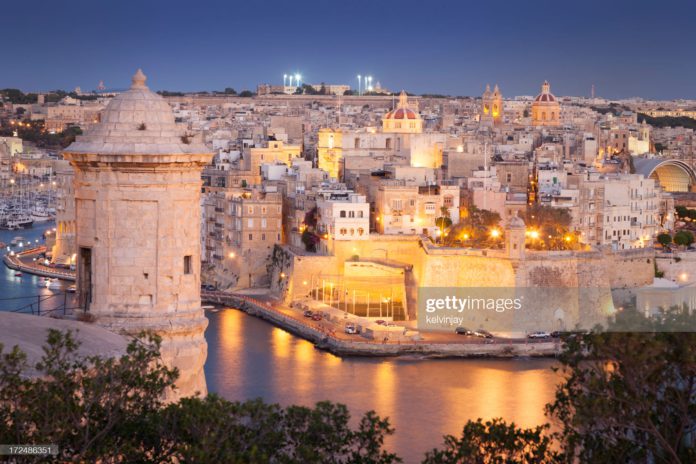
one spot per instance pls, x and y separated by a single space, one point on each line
446 48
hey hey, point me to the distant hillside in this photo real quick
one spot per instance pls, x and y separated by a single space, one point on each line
668 121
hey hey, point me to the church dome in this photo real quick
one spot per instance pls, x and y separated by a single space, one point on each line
140 122
545 95
401 113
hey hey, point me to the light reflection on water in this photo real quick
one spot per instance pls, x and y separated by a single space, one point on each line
424 399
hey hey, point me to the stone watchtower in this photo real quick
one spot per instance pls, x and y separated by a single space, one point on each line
137 208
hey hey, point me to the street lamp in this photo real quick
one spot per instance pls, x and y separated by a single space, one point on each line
359 85
297 79
369 79
285 78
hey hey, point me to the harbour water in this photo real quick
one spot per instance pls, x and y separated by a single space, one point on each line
17 293
424 398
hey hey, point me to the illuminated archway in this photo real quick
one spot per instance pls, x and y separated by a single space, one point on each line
672 175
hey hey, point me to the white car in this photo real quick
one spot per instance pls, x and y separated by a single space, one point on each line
539 335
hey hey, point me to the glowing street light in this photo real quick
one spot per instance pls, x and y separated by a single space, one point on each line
297 79
232 255
359 85
285 79
369 79
495 233
534 234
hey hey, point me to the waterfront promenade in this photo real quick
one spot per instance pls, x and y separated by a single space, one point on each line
21 262
328 334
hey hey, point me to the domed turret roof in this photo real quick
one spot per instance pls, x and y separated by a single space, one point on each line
515 222
138 121
545 95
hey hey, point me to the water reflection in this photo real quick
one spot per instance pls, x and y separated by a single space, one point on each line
425 399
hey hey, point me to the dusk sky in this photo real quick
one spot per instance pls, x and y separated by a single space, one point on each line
626 48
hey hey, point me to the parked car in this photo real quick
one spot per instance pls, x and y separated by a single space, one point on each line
381 322
316 317
536 335
72 289
463 331
482 333
351 329
567 333
307 313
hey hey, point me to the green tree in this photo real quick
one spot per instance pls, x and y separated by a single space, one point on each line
246 93
629 393
495 442
443 222
552 227
682 211
664 239
110 410
683 238
93 408
230 91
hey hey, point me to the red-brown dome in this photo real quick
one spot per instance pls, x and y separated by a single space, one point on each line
545 95
401 113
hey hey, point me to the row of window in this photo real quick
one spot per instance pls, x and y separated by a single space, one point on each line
258 209
344 231
262 237
350 214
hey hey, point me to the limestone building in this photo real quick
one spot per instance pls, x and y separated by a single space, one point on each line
401 140
137 202
65 247
546 110
491 106
242 230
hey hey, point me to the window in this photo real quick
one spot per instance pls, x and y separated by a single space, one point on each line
430 208
357 142
250 222
360 214
361 231
250 210
263 210
351 214
263 237
342 214
388 143
263 223
188 266
251 236
344 231
448 201
508 177
397 204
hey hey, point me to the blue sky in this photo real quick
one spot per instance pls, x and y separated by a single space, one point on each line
626 48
